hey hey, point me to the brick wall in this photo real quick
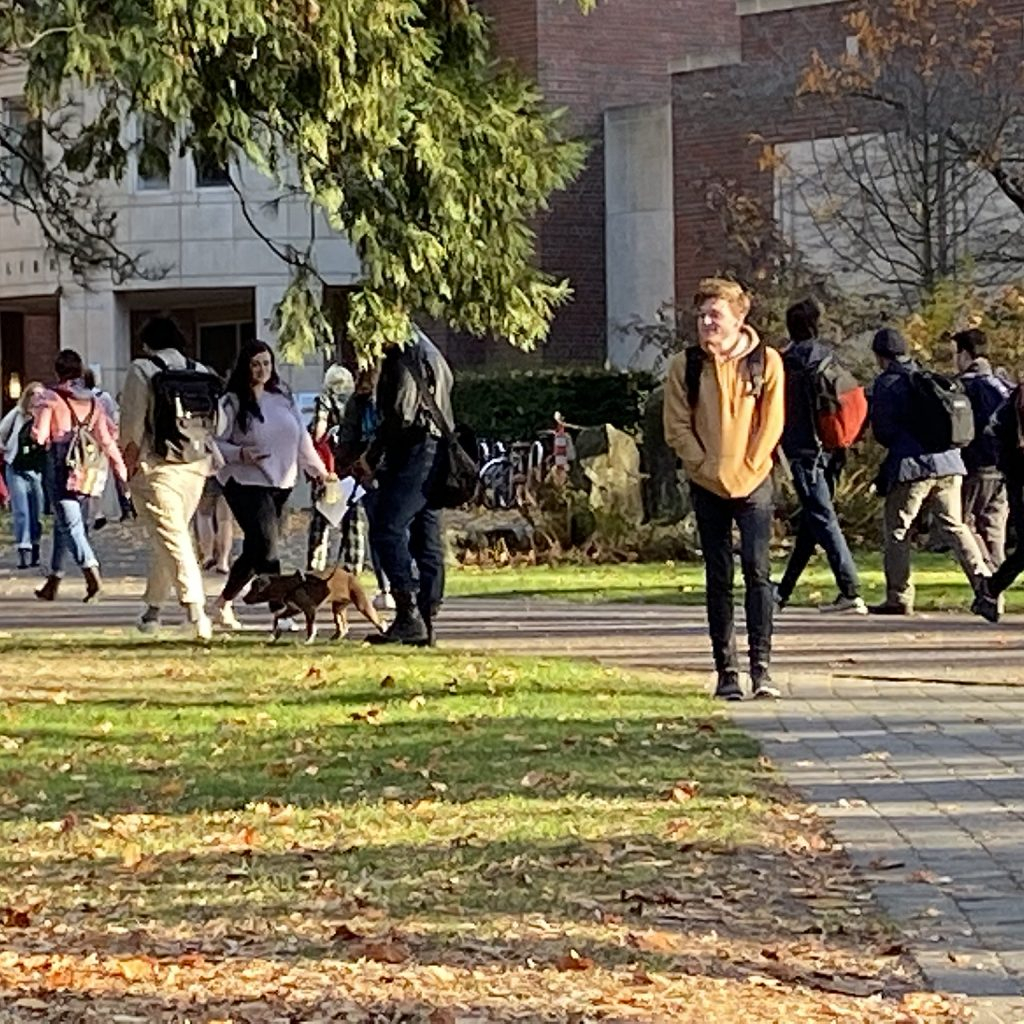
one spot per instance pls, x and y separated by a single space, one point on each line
724 116
617 55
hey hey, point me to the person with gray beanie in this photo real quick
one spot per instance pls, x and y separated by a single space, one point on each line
913 478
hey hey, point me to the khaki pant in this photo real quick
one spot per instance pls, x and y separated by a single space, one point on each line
986 513
166 497
942 497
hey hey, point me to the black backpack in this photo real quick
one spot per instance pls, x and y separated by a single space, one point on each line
31 456
941 416
185 408
696 357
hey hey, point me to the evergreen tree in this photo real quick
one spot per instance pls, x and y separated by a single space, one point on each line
390 116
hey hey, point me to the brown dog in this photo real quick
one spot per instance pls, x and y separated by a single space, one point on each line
306 592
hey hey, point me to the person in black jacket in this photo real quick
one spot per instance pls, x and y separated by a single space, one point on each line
815 471
913 480
406 458
1007 428
985 509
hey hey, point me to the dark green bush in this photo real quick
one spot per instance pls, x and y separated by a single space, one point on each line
512 405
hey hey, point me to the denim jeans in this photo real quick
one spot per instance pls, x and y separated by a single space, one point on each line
1013 566
259 511
814 480
26 489
70 515
753 516
406 528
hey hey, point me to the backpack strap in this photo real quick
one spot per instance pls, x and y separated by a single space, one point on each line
756 367
75 421
158 363
695 359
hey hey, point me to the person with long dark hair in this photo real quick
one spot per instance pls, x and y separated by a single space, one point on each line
264 443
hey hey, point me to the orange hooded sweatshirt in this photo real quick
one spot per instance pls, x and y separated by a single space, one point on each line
727 440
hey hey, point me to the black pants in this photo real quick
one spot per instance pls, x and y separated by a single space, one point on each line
258 511
1014 564
715 518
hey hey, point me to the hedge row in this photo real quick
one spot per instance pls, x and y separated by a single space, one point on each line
516 405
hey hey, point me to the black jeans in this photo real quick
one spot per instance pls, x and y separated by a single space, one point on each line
1014 564
405 527
715 518
814 480
258 511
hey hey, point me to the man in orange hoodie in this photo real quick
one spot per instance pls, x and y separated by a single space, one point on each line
724 412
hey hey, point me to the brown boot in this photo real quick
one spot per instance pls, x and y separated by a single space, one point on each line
48 591
93 584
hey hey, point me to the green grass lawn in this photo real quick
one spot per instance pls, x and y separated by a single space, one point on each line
255 833
940 584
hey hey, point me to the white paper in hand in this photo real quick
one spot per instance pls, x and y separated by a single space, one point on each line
344 493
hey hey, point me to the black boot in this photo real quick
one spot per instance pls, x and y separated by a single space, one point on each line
408 626
728 687
429 613
23 558
763 687
35 556
48 591
93 584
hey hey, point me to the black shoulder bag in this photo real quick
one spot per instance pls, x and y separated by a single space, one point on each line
459 475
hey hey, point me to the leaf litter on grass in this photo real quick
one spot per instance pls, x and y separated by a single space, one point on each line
458 861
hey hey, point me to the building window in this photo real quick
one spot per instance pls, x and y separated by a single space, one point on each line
219 344
21 145
156 137
210 173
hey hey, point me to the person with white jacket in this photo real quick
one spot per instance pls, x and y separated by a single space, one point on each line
24 474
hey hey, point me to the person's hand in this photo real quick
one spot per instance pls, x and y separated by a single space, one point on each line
251 456
362 470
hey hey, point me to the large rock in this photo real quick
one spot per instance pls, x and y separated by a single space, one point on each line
665 491
608 461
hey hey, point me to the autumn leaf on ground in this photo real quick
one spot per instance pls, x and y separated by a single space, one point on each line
131 858
388 683
369 715
384 951
531 780
572 961
136 969
314 672
15 917
343 933
684 790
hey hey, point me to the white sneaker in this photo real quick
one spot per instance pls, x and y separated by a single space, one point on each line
383 602
202 628
227 619
853 605
288 626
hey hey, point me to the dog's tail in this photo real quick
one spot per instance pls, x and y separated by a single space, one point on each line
363 604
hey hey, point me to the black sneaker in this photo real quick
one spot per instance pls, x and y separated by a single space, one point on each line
886 608
728 687
764 688
985 604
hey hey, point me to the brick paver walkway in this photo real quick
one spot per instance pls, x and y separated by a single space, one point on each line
921 772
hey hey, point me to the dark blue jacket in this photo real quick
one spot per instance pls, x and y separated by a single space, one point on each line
987 393
800 434
1007 430
891 416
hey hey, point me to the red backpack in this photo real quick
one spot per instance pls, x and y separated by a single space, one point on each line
840 405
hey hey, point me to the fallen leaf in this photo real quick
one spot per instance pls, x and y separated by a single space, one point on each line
369 715
388 683
132 856
384 952
572 961
15 917
136 968
343 933
685 789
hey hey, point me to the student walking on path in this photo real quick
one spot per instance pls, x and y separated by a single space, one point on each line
78 435
724 409
985 508
24 461
169 469
815 471
1008 431
914 477
264 444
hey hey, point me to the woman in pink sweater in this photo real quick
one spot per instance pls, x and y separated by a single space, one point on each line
264 443
70 409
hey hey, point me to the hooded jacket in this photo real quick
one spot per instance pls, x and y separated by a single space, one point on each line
800 362
726 441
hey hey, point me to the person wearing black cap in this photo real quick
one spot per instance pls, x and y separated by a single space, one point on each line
815 471
913 479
